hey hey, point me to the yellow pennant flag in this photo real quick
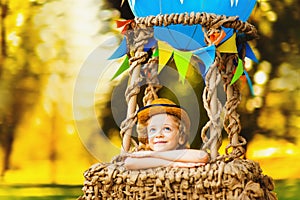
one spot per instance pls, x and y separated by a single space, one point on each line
229 46
165 52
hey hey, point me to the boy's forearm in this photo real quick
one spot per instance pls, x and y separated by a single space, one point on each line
184 155
145 163
166 158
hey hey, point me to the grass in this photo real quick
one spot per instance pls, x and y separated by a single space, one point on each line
285 189
288 189
40 192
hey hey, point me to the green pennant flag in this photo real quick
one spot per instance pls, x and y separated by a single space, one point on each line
155 53
125 65
238 72
182 60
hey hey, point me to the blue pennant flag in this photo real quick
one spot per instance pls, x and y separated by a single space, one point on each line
249 82
120 51
249 52
207 56
151 43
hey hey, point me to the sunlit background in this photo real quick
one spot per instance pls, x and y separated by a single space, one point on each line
45 44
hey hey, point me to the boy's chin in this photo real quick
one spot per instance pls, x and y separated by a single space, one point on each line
161 148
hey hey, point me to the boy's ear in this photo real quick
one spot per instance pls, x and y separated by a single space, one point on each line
181 140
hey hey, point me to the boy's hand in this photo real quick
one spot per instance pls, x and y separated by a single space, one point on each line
141 154
186 164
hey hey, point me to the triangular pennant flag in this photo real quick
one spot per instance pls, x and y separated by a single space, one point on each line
238 72
120 51
123 24
165 52
217 37
155 53
249 82
151 43
125 65
207 55
229 46
250 54
182 60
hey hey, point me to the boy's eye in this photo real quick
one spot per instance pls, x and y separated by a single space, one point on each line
167 129
152 130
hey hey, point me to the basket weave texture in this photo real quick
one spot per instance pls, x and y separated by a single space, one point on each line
239 179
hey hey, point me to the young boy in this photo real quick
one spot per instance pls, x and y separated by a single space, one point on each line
166 127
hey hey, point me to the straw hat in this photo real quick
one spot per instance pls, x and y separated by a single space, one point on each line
160 106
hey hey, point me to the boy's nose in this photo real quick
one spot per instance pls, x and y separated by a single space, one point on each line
159 134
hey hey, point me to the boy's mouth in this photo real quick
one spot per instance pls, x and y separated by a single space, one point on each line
160 142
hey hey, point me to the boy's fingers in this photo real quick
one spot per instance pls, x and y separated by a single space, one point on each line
140 154
184 164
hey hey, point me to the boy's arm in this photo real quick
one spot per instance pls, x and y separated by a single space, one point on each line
148 162
181 155
144 163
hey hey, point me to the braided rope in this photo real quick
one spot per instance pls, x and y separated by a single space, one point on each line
208 20
151 72
151 76
136 40
214 124
231 122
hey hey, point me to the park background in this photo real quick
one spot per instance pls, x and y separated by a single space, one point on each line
44 47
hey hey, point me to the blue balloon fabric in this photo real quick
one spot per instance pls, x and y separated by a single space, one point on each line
143 8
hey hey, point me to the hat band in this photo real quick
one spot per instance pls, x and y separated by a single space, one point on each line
157 105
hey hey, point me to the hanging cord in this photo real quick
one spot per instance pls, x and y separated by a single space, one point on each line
136 40
213 108
151 75
232 124
150 71
211 103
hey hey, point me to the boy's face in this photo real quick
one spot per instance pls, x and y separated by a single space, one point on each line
163 132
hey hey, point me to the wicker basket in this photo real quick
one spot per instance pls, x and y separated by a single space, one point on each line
238 179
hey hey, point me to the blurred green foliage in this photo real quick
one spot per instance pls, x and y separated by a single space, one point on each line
43 44
20 71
